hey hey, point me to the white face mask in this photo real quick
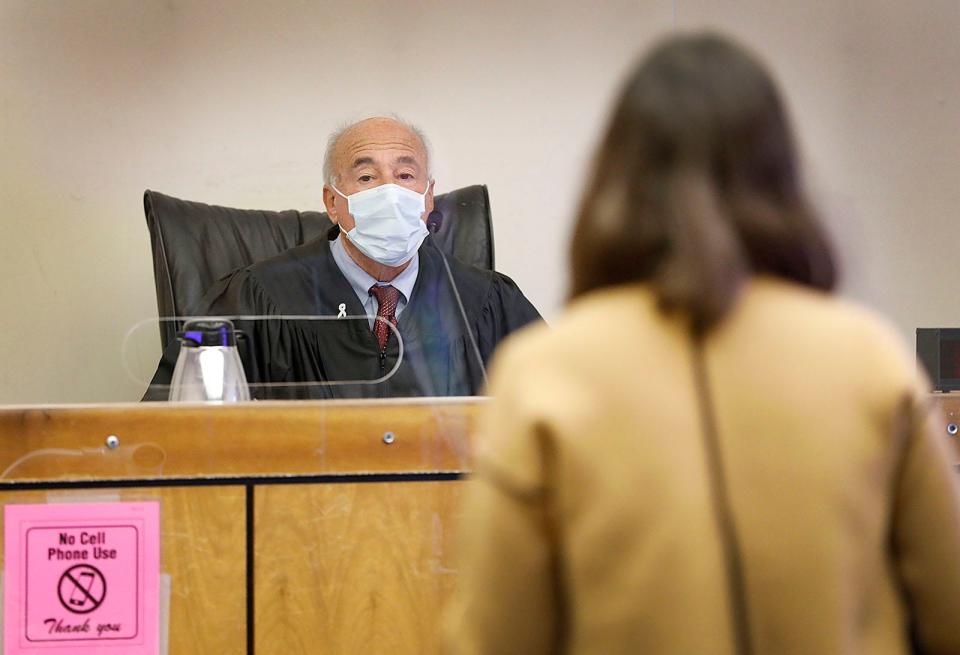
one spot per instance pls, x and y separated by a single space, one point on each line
388 226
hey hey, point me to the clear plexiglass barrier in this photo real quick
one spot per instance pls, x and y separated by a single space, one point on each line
307 526
306 472
301 358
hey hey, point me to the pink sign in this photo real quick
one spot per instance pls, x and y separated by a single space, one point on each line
81 578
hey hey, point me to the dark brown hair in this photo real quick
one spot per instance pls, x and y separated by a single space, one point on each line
696 185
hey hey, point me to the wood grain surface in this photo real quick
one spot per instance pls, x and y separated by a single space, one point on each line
353 568
158 440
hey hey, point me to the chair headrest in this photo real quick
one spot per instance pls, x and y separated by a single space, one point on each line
194 244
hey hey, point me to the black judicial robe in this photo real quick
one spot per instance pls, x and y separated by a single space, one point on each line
439 356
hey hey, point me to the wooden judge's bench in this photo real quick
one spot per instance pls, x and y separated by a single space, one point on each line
306 527
299 527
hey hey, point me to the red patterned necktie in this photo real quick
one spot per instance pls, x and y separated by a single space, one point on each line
387 297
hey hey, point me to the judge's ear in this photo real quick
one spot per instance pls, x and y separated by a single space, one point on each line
329 201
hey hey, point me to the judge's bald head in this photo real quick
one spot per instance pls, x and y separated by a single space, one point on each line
351 145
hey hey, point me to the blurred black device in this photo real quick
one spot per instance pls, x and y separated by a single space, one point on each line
938 350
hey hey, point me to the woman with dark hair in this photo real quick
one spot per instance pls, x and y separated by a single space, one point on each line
708 453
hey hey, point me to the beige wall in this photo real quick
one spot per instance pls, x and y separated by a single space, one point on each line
230 103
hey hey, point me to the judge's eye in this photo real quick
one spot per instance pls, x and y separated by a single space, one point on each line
365 178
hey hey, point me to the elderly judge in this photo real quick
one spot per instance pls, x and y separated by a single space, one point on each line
432 322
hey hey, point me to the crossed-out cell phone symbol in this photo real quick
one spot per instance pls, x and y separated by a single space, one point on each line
82 589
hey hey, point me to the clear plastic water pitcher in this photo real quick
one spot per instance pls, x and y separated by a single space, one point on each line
208 367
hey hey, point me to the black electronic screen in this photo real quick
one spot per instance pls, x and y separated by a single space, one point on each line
950 358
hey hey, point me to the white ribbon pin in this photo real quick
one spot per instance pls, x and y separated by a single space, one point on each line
343 310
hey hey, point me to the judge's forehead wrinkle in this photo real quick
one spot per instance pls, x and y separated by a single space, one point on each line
356 153
361 161
365 160
378 134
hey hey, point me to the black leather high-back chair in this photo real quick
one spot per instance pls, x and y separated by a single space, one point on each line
195 244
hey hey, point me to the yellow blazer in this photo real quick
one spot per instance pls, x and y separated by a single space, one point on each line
592 527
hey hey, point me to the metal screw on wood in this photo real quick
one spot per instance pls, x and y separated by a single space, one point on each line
113 441
952 429
388 438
